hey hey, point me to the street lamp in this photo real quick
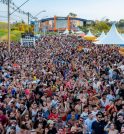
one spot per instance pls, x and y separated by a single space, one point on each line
36 19
39 13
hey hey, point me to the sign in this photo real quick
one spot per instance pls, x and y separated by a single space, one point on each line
27 40
62 18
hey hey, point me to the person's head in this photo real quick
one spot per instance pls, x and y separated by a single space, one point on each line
59 118
111 102
34 105
13 121
27 117
40 125
90 114
55 97
112 126
12 115
51 125
37 96
44 104
86 109
54 110
39 116
48 99
46 130
95 108
114 114
122 129
104 96
99 117
60 131
13 130
81 120
119 101
73 129
22 105
120 118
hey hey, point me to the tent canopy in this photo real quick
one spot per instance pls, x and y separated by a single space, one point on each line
82 35
66 31
89 34
122 36
79 32
112 37
72 31
101 36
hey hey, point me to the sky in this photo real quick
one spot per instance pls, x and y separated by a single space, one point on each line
86 9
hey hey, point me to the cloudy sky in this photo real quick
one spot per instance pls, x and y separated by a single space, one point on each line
87 9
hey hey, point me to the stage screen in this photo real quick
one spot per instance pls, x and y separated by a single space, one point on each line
61 23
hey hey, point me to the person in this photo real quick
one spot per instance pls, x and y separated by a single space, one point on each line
12 130
2 131
110 128
119 122
98 125
89 121
52 129
122 130
55 86
84 114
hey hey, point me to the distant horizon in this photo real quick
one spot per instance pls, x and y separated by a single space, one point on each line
89 9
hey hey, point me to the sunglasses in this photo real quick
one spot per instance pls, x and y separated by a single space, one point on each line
39 115
99 117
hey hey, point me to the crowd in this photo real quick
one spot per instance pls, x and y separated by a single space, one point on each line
64 85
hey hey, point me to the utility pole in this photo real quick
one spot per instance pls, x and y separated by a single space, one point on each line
9 25
9 14
28 21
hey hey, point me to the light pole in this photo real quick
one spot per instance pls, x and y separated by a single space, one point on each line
36 20
39 13
28 20
9 14
9 25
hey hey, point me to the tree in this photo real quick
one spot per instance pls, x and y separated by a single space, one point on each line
101 26
85 29
72 15
121 23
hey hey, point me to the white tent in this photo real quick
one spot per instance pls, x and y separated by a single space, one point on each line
66 31
122 36
112 37
89 34
79 32
72 31
101 36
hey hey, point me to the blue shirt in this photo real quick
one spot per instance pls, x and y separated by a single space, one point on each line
69 117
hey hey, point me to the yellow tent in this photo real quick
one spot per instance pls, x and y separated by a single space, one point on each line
121 49
121 52
90 36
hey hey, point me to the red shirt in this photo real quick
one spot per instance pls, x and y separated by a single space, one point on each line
53 116
3 119
49 93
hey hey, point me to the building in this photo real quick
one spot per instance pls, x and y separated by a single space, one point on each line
62 23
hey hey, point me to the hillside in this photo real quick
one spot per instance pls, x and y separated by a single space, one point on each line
15 33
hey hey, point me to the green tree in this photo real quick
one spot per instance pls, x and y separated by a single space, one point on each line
101 26
72 15
121 23
85 29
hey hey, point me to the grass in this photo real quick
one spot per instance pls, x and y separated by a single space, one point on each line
14 35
